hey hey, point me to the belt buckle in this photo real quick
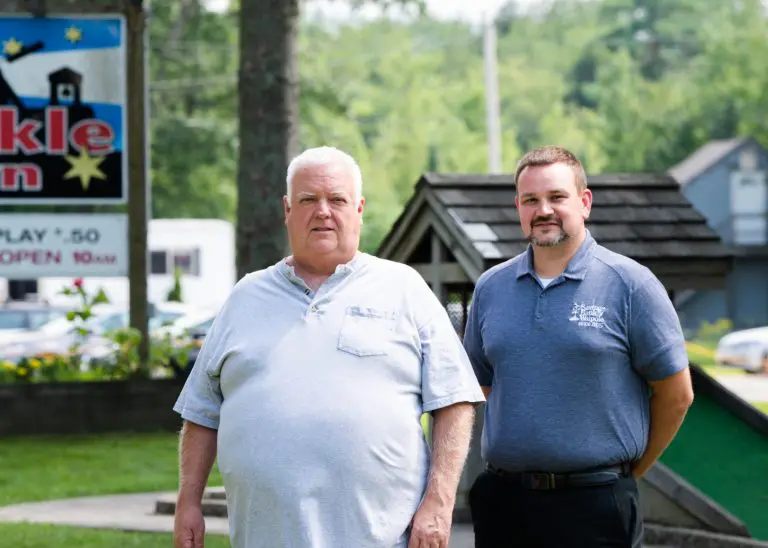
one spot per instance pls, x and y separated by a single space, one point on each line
542 480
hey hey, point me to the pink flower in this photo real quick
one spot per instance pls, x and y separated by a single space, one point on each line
78 282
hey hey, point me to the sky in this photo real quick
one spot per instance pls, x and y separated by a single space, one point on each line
469 10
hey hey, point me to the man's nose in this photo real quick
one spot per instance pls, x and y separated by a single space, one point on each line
323 209
545 208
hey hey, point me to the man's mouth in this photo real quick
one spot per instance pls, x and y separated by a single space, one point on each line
322 229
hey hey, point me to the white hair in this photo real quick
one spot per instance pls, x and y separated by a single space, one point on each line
324 156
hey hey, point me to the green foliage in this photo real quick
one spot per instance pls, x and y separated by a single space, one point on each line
629 85
122 359
711 333
174 295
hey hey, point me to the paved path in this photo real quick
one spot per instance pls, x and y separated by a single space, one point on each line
136 513
752 388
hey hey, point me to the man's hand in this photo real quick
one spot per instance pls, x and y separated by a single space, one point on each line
431 525
188 526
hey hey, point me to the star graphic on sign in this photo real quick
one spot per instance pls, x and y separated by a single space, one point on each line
85 167
11 47
73 34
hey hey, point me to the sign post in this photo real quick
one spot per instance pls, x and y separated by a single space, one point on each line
73 126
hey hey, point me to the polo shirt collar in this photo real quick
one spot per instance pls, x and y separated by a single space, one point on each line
577 266
356 263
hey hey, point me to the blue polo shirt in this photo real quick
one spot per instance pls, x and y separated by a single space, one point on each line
568 363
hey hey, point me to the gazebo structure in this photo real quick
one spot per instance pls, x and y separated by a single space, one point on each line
454 227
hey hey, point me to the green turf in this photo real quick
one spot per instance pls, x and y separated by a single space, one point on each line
41 468
50 467
25 535
726 459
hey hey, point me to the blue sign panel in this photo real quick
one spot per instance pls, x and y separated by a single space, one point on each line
62 110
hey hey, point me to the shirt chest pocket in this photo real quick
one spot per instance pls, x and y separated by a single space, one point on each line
366 331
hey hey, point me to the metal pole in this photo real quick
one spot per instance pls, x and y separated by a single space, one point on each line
138 195
492 108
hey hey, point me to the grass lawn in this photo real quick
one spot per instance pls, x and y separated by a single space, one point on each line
41 468
49 536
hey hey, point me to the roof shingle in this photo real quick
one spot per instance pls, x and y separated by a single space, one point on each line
644 216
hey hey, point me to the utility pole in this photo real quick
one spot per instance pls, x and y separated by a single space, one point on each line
135 117
492 108
138 173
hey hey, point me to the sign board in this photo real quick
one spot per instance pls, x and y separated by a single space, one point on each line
62 110
40 245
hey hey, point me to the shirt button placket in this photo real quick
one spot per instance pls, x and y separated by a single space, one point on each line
540 306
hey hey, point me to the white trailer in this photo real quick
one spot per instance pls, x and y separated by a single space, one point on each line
203 250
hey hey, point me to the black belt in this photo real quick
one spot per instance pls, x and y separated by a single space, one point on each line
560 480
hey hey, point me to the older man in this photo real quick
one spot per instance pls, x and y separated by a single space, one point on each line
312 382
581 355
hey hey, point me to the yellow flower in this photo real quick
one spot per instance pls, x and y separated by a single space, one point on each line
8 366
34 363
22 371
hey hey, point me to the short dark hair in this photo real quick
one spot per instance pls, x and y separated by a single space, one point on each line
553 154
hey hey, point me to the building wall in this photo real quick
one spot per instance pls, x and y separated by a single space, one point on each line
710 193
744 300
703 306
748 292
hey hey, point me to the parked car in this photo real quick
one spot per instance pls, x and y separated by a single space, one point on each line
58 335
22 316
746 349
187 333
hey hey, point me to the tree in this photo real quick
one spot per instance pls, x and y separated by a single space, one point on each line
268 94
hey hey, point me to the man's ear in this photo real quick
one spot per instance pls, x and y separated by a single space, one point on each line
586 203
286 207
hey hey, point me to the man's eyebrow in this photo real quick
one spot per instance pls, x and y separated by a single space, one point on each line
553 191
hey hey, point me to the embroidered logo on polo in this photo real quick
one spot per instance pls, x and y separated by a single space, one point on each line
588 315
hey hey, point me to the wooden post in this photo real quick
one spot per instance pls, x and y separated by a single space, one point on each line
138 194
438 284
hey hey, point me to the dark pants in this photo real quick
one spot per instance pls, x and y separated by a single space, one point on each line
506 515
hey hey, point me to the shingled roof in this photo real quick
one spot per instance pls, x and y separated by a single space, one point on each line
643 216
704 158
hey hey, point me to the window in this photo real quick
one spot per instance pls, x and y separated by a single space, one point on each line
158 262
188 261
167 261
13 319
749 208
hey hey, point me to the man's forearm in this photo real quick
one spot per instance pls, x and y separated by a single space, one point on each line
197 452
667 414
451 433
